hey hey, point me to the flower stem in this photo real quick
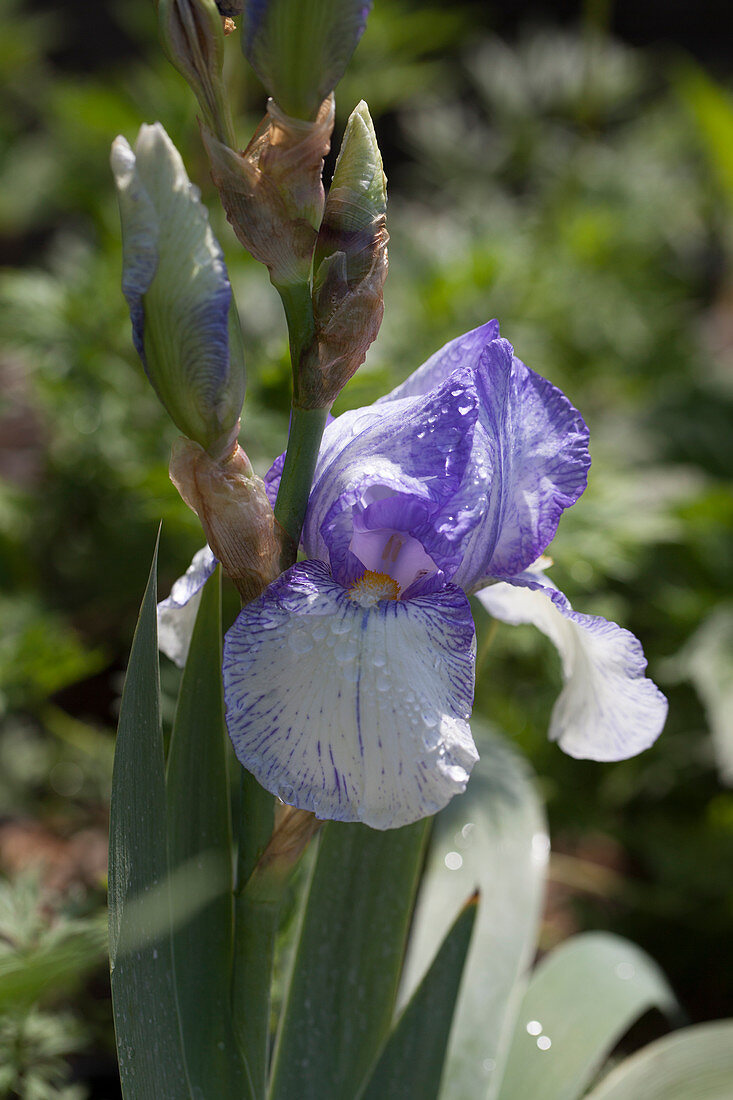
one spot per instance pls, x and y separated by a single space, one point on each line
306 429
306 425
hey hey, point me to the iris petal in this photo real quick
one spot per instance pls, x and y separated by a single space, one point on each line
177 613
418 447
354 713
608 709
530 452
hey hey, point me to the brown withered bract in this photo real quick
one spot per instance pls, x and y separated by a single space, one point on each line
273 192
236 516
347 322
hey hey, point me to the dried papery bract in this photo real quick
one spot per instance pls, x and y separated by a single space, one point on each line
273 192
236 516
294 830
192 32
350 267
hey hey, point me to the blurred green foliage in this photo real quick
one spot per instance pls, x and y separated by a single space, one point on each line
576 189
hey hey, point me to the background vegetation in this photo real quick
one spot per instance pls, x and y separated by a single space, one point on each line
574 186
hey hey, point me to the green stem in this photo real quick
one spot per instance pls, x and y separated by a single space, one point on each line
306 425
306 429
298 305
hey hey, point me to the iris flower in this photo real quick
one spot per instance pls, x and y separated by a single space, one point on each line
349 682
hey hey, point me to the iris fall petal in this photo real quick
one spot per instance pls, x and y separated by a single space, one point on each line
608 709
354 711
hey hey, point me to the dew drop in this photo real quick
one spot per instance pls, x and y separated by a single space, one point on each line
534 1027
300 642
544 1042
453 861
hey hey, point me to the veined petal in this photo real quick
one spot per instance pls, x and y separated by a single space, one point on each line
184 323
418 447
530 452
177 613
608 709
356 713
464 351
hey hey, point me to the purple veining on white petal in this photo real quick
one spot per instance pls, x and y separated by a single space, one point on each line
355 713
608 709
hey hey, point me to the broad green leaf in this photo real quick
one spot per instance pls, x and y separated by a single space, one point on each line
143 998
693 1064
347 964
411 1064
493 837
580 1001
200 846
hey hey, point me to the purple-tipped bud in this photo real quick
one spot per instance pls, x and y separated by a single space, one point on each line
300 48
184 321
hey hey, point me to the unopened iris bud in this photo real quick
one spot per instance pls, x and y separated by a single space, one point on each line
273 192
192 32
184 320
300 48
350 266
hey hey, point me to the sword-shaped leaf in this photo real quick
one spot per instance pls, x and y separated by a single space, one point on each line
411 1064
143 998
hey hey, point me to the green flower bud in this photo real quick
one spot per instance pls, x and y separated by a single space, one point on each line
350 265
192 32
184 320
300 48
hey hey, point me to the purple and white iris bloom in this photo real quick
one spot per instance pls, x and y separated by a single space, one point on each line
349 682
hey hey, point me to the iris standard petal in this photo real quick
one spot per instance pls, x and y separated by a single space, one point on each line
354 712
608 709
419 447
529 460
464 351
177 613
